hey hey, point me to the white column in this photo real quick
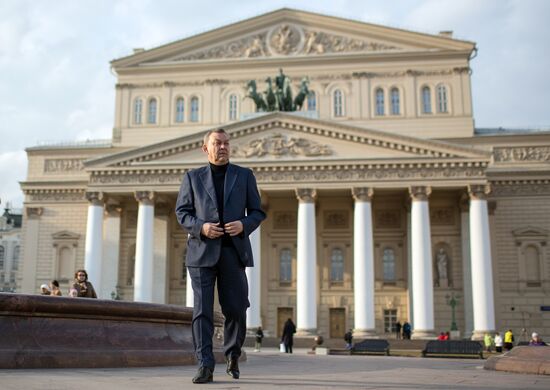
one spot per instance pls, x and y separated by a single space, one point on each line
409 267
466 267
111 250
482 272
94 237
422 280
160 257
253 274
143 279
363 264
306 286
30 249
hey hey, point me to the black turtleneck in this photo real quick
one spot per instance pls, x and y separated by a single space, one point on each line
218 174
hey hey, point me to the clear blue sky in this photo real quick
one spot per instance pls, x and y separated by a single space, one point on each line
55 81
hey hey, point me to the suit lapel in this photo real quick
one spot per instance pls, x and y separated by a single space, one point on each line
230 179
208 183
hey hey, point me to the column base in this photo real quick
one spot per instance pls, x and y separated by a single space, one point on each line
306 332
479 335
360 334
423 334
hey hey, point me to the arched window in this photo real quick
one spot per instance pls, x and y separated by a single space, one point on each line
337 265
285 266
65 266
2 257
338 103
379 98
138 108
131 265
532 264
388 262
395 109
194 109
15 265
152 111
180 110
232 107
311 101
442 99
426 100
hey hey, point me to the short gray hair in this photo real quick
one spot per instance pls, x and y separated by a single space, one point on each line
210 132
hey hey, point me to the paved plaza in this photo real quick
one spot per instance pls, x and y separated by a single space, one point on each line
270 369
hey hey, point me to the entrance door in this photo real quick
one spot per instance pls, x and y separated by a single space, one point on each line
283 314
337 323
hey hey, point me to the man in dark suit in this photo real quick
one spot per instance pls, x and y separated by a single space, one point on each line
219 206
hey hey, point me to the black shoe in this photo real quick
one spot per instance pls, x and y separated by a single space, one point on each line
204 375
233 368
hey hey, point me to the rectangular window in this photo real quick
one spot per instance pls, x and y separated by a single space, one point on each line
390 319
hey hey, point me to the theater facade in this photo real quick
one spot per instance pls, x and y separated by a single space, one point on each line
384 202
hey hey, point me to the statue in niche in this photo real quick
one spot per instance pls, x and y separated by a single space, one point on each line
442 260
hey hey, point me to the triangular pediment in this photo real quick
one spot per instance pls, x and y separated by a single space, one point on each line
530 232
65 235
291 33
286 139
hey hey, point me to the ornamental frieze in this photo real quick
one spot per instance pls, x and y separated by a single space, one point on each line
523 154
63 165
55 196
278 145
520 189
286 40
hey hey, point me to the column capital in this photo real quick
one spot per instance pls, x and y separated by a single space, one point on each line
306 195
95 198
420 193
479 191
34 212
362 194
145 197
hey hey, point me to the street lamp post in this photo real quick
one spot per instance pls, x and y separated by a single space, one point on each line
452 301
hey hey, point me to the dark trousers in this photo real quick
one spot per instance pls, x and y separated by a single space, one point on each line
229 274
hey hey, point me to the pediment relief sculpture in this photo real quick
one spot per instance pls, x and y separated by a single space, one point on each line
286 40
279 145
539 154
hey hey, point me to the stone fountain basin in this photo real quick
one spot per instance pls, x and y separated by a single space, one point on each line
61 332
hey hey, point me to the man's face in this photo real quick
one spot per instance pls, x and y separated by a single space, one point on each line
217 148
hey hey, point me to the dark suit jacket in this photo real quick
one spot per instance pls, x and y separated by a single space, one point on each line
197 204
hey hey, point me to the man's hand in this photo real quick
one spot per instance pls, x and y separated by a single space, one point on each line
234 228
212 230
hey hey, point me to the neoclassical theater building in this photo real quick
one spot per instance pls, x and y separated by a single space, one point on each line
384 202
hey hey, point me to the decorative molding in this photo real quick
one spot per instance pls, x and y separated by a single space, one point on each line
442 215
280 145
362 194
479 191
387 219
306 195
285 39
34 212
464 202
520 188
539 154
63 165
145 197
55 195
420 193
95 198
336 219
284 220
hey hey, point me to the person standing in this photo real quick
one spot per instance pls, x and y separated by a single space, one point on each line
406 331
219 206
398 330
508 340
82 288
488 341
259 337
498 342
288 335
348 338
